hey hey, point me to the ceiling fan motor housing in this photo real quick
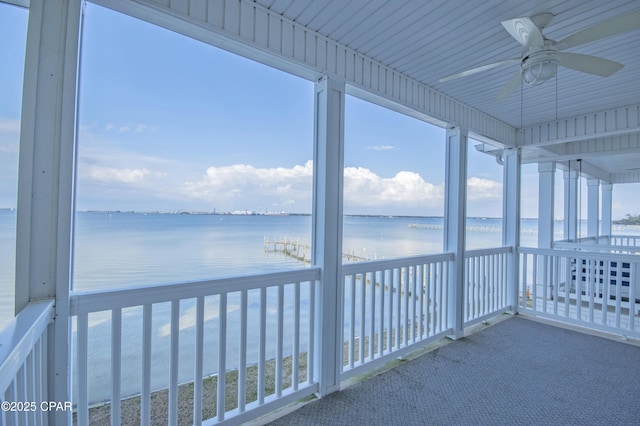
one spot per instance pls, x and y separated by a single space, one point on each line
539 64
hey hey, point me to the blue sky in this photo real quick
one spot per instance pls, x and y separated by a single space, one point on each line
168 123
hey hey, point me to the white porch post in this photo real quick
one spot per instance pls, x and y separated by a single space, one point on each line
455 207
570 204
593 207
607 203
546 201
45 181
328 164
511 220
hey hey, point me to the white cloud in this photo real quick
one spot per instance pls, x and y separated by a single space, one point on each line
381 147
9 126
483 189
110 174
288 186
362 187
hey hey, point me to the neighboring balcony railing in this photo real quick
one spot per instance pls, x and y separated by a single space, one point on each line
594 289
23 366
251 334
624 244
625 240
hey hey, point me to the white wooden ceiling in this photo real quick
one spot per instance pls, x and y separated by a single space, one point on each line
430 39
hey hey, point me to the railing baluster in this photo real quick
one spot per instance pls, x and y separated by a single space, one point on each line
390 319
579 278
312 327
242 355
381 319
414 319
478 287
363 307
173 369
372 314
222 357
82 324
30 380
198 373
116 364
428 315
145 397
606 282
263 342
279 341
545 282
405 325
39 380
592 286
438 298
295 362
523 289
534 284
556 283
352 323
632 294
421 286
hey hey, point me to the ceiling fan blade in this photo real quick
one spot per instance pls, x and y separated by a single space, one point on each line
478 69
511 86
589 64
524 31
606 28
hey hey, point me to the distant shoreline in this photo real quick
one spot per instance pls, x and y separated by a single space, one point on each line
629 220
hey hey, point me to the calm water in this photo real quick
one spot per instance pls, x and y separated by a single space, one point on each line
134 249
131 249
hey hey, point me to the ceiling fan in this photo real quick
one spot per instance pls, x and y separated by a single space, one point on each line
541 56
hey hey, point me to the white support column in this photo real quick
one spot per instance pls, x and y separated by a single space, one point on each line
511 220
593 207
455 208
328 175
546 189
45 181
570 204
607 203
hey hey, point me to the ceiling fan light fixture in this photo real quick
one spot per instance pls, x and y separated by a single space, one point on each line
540 66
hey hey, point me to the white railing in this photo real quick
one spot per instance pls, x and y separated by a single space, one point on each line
624 244
243 340
625 240
390 306
485 283
23 366
599 290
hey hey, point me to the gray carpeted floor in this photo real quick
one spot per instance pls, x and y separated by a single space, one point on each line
517 372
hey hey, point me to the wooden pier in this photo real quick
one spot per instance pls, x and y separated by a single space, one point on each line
300 250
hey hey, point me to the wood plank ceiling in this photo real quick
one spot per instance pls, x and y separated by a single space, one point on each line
428 40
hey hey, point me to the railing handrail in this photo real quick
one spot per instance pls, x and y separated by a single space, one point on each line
20 336
359 267
488 251
100 300
582 254
594 247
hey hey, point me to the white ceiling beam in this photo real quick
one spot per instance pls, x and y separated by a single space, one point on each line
604 124
618 145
